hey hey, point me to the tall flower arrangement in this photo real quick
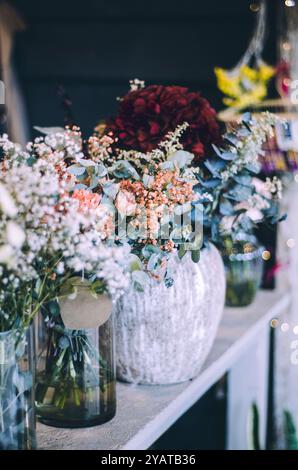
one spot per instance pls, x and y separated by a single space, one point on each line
51 246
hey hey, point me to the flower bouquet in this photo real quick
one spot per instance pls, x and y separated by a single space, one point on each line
54 252
231 196
148 203
25 205
243 201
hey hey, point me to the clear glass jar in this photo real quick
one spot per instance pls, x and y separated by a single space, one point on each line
75 383
17 366
244 269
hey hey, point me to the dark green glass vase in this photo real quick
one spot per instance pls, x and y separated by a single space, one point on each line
244 270
75 384
17 417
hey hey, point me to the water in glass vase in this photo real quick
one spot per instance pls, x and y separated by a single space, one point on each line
76 384
17 417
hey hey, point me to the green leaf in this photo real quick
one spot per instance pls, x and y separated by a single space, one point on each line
135 264
195 256
181 251
148 250
31 161
139 279
54 308
98 287
253 426
290 432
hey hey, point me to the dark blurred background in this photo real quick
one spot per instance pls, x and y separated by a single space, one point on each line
93 47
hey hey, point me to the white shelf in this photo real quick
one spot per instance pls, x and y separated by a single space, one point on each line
146 412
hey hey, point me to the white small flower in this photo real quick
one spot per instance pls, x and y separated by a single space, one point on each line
15 234
60 268
7 203
6 253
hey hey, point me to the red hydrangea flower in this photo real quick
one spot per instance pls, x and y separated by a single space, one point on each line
146 115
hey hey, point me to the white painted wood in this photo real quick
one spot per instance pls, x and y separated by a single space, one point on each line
146 412
248 383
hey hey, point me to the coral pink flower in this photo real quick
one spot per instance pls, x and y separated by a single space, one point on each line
87 200
126 202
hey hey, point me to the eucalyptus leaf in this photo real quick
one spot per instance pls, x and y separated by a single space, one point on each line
207 183
49 130
140 279
86 163
226 208
111 189
246 117
148 250
153 262
231 138
228 156
147 180
80 186
101 170
76 170
217 150
168 165
181 158
123 169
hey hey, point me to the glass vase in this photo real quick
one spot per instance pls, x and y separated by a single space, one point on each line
17 417
244 270
76 385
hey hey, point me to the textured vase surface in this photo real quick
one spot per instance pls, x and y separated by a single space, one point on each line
163 335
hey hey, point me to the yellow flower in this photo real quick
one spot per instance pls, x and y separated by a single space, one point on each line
245 86
249 73
266 72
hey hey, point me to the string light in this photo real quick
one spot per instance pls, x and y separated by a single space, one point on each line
286 46
254 7
285 327
291 242
266 255
295 330
274 323
290 3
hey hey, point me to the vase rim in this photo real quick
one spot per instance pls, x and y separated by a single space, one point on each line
17 331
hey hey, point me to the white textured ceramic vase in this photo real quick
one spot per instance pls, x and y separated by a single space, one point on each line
163 335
